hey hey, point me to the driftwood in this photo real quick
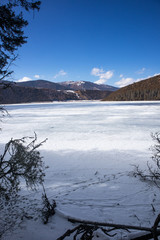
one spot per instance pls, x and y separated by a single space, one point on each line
86 232
86 229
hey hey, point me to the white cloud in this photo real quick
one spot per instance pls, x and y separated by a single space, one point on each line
96 71
121 75
24 79
37 76
100 81
124 82
140 79
141 71
103 76
60 73
156 74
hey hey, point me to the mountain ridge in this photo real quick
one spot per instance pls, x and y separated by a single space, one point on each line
40 83
147 89
67 85
20 94
87 85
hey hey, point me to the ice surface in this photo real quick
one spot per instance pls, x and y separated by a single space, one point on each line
91 149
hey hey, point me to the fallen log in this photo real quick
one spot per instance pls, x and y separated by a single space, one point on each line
117 226
88 227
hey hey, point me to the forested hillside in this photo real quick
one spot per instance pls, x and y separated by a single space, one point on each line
17 94
148 89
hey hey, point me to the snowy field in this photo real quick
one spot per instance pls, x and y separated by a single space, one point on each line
91 149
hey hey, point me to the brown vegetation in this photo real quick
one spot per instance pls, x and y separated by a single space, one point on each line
148 89
17 94
92 94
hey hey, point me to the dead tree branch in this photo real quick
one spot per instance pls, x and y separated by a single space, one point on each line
21 160
86 229
152 173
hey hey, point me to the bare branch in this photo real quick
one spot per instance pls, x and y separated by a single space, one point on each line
21 160
152 173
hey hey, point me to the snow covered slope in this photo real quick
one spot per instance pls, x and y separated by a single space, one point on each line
86 85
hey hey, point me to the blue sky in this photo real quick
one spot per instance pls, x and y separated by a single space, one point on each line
115 42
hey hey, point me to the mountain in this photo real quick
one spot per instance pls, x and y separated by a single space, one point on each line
19 94
69 85
91 94
148 89
42 90
85 85
41 84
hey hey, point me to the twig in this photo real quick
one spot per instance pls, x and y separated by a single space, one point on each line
69 232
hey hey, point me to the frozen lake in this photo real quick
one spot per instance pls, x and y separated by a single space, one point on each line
85 126
90 151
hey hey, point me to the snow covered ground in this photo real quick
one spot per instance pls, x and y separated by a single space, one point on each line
91 149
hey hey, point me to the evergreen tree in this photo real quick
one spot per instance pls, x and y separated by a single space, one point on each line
12 24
